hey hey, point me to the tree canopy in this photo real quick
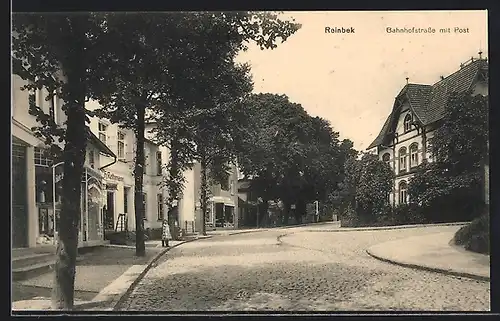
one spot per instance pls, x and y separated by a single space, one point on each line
453 183
289 155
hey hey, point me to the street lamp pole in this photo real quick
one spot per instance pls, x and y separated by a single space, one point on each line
54 199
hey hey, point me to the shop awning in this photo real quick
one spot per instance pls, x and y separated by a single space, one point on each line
222 199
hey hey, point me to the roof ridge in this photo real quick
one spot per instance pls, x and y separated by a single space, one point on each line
459 70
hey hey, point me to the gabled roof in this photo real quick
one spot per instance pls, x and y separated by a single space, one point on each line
427 102
149 141
99 144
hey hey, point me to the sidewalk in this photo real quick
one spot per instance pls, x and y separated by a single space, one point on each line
338 228
235 231
335 224
103 276
434 253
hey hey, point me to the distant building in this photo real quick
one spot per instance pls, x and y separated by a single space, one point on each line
223 199
417 112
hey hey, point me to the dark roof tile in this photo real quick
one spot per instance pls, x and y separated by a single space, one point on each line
428 102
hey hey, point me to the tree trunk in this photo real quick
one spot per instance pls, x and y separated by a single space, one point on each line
263 213
204 193
140 247
74 159
173 179
300 210
286 212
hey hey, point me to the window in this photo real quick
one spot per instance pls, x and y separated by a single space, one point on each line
121 145
43 184
158 163
126 190
144 202
224 184
407 122
91 159
42 157
144 169
160 206
403 192
386 158
53 107
31 99
402 159
34 96
102 132
413 155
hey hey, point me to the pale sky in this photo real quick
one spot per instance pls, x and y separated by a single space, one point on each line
352 79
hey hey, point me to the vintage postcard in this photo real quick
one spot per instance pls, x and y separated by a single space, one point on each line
206 162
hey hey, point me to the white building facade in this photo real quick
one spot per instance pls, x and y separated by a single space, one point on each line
36 179
119 179
417 112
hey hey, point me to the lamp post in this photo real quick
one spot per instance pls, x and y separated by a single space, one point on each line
316 203
54 199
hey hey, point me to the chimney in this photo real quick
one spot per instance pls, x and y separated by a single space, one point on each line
480 54
407 80
442 77
461 65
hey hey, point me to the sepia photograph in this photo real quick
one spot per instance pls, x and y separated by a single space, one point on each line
206 162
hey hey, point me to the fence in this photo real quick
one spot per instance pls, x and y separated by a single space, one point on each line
188 227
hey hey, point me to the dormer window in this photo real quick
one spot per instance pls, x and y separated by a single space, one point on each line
121 145
408 122
386 158
102 132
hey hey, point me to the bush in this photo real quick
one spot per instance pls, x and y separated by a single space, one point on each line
154 233
405 214
475 236
349 218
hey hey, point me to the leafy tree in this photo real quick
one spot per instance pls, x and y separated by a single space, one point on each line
375 184
460 143
365 189
340 197
451 187
59 53
139 51
290 155
266 145
212 86
175 135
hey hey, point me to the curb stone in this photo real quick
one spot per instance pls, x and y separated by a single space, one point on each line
278 239
245 232
123 296
385 228
431 269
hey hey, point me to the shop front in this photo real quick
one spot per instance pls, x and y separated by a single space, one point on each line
91 205
19 190
223 213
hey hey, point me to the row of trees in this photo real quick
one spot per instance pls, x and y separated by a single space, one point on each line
176 69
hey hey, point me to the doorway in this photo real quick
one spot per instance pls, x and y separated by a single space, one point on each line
19 197
109 213
219 214
228 216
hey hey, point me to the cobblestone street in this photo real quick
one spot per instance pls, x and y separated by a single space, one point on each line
304 271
